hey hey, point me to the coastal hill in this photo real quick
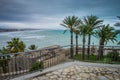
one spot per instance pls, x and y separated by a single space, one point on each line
7 30
11 30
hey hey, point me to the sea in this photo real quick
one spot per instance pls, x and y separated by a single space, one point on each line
45 38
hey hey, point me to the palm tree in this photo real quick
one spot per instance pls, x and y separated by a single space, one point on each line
32 47
105 34
118 31
76 31
15 45
118 23
83 32
92 22
70 22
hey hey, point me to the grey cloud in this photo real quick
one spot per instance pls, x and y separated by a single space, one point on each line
23 10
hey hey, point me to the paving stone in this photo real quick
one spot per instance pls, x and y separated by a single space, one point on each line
82 73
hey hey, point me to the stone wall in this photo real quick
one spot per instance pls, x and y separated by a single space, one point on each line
23 62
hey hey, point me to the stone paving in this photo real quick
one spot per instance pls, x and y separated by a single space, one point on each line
77 72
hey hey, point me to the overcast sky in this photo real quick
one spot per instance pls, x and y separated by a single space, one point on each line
50 13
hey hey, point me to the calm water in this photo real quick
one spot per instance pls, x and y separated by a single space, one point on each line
43 38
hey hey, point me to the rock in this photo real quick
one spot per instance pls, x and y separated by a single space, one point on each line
60 70
49 74
93 78
80 70
109 77
68 76
92 75
80 78
43 78
76 67
56 73
63 76
35 79
85 75
109 72
117 77
60 79
86 69
54 76
102 78
64 73
115 73
66 70
73 77
71 73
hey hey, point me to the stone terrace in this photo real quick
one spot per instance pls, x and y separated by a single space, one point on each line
76 71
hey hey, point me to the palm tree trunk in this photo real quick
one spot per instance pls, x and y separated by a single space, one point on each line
102 47
71 49
100 53
76 44
88 50
83 49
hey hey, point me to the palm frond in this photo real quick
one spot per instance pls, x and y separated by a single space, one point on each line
64 31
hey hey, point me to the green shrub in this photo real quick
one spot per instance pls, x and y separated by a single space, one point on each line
93 57
107 60
114 55
78 57
32 47
37 66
